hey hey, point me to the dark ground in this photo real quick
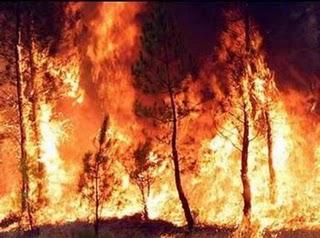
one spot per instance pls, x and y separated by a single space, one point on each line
134 227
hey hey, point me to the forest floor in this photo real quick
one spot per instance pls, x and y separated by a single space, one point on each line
133 227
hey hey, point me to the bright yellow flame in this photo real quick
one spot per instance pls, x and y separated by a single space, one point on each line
50 136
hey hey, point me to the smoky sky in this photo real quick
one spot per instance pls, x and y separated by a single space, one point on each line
290 31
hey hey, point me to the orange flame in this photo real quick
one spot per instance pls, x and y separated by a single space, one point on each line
98 72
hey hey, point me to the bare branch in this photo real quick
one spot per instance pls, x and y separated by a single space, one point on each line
236 117
225 137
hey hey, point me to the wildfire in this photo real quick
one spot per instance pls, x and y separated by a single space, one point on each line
55 172
96 76
70 76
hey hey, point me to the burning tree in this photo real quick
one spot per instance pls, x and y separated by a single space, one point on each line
251 91
160 70
234 59
25 202
141 173
21 33
96 177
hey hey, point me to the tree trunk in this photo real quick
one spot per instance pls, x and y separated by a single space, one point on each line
245 137
97 191
244 166
175 158
96 221
145 208
25 203
34 104
96 224
272 175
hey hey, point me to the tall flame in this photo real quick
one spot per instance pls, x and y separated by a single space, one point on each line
55 172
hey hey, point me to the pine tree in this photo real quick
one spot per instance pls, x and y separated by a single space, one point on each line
95 177
25 201
141 173
241 68
160 70
22 30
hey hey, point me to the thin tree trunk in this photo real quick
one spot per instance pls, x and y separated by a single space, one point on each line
244 166
145 208
272 175
25 203
175 158
34 104
245 137
97 192
96 222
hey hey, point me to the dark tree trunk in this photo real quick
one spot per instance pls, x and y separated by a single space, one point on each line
33 87
96 225
97 190
25 203
244 166
272 175
245 137
175 158
145 208
96 221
